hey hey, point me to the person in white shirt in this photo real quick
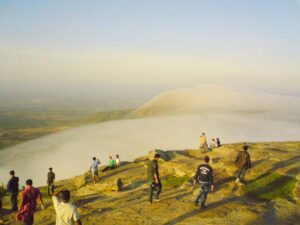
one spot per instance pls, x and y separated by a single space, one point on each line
118 162
94 169
66 212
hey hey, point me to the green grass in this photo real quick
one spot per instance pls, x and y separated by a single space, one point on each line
173 181
272 186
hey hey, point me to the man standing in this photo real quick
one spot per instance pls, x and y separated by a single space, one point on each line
203 143
204 176
50 181
28 205
153 177
243 163
66 212
13 189
94 169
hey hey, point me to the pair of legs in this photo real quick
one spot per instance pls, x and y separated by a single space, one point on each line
95 176
14 201
29 222
202 196
50 189
241 174
154 187
204 148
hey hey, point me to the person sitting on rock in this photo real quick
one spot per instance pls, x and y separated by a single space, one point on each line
213 145
243 163
204 175
111 163
203 143
153 178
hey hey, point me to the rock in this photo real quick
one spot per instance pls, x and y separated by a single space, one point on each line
163 155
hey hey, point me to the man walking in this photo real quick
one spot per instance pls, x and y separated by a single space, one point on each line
204 176
154 180
66 212
13 189
50 181
94 169
243 163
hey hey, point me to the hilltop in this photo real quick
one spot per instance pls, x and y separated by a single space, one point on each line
270 198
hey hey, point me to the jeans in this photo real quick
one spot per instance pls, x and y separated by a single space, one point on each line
202 196
241 173
154 187
14 201
50 188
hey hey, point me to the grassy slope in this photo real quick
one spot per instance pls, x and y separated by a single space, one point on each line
271 196
16 127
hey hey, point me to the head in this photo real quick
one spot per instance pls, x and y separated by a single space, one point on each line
213 139
245 148
65 196
94 158
117 156
29 182
12 173
203 134
50 169
206 159
157 156
110 157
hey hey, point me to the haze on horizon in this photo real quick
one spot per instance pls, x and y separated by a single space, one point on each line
133 50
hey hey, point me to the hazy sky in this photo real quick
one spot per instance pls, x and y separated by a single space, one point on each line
84 45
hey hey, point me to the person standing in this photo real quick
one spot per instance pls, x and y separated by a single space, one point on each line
153 178
243 163
29 202
95 170
66 212
13 190
50 181
203 143
204 175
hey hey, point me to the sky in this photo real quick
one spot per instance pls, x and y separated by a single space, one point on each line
126 47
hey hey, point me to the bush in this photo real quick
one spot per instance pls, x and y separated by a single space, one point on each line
174 181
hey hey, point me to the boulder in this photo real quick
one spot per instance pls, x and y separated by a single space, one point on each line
163 155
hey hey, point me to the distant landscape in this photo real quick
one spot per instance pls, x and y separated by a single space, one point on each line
20 126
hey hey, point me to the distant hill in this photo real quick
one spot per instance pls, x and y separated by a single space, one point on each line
219 99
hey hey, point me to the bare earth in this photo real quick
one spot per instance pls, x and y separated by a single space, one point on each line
271 196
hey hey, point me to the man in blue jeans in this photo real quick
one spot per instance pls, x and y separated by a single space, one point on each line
204 176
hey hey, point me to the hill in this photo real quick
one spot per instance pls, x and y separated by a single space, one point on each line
271 196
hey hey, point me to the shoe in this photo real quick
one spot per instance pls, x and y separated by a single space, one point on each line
241 184
237 180
203 207
157 200
150 203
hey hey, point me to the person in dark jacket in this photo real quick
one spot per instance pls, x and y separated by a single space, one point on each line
243 163
204 176
13 189
50 181
153 178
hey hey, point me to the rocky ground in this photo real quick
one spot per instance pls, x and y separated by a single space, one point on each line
271 196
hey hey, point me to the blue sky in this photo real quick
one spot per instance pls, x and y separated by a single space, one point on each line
171 42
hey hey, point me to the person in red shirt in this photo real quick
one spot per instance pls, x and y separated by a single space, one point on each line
28 203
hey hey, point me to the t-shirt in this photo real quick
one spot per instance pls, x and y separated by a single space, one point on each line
111 162
95 165
118 162
66 213
51 177
13 185
204 174
153 170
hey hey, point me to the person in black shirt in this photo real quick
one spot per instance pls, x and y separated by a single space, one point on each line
204 176
50 181
13 189
153 177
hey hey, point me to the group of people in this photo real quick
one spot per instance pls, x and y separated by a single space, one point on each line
112 164
203 176
205 147
67 213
